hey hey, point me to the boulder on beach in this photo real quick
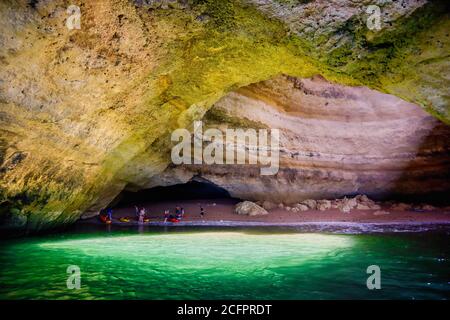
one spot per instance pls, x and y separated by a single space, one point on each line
362 206
249 208
364 203
323 205
360 202
310 203
301 207
346 205
268 205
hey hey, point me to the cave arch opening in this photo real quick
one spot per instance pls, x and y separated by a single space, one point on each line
339 141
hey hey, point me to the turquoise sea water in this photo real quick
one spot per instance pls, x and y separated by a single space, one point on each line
237 263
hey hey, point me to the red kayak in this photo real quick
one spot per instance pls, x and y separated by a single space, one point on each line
104 219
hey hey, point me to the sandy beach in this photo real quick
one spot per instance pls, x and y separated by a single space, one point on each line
222 210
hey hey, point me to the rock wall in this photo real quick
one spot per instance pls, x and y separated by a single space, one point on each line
412 61
87 112
335 141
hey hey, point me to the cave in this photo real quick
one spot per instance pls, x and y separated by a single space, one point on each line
369 119
191 195
191 190
336 141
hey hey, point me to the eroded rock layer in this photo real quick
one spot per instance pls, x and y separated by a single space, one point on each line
335 141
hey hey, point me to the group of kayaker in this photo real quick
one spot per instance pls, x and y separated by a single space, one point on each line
140 213
179 214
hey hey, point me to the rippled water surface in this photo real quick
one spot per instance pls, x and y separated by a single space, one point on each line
226 264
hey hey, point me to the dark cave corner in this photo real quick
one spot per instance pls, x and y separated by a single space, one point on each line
430 170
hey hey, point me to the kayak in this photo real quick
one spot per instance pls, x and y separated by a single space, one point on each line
104 219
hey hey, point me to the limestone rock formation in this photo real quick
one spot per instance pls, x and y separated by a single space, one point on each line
301 207
323 205
86 113
335 141
249 208
412 63
309 203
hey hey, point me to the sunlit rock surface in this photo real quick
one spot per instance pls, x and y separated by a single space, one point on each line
335 141
410 49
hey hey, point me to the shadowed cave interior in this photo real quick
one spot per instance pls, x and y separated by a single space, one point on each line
191 190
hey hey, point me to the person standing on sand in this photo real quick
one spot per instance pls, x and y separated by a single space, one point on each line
141 215
202 212
109 214
166 215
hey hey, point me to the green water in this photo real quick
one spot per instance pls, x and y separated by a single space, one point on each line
226 264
